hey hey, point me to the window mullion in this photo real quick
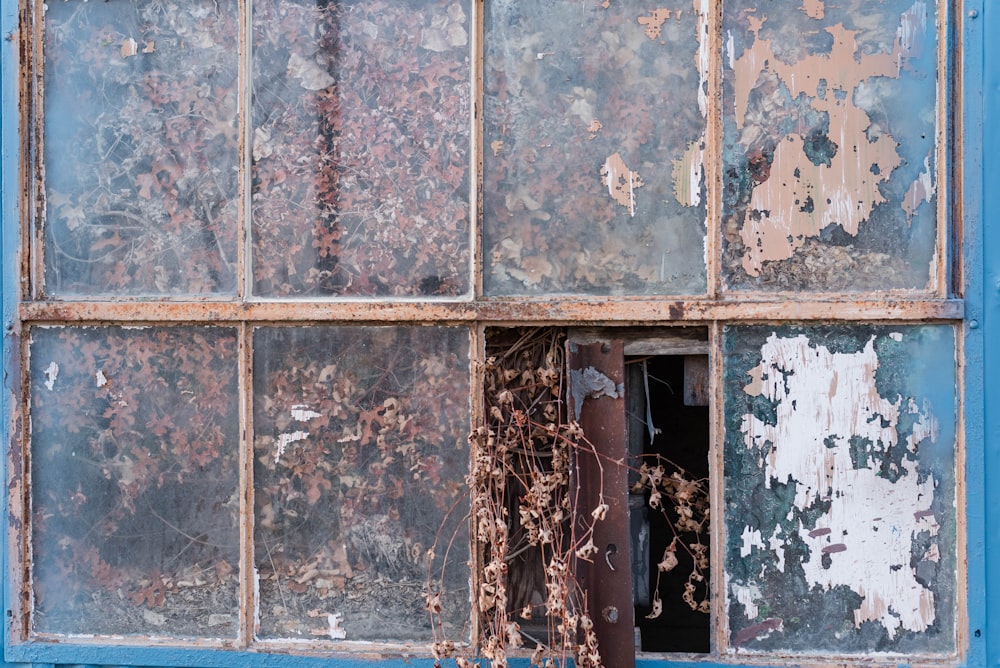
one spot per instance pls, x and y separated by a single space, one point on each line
248 573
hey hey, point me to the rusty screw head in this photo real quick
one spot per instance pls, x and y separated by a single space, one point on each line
610 614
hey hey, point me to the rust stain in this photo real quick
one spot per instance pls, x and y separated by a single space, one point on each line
640 311
676 311
758 630
798 197
836 547
815 533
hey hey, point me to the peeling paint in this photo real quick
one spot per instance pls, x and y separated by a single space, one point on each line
688 172
303 413
284 440
868 521
747 597
801 194
621 181
592 383
51 373
654 23
813 8
920 191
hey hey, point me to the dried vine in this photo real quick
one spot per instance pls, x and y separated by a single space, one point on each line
529 526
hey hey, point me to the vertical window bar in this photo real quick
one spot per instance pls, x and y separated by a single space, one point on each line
244 116
709 54
248 572
476 29
716 466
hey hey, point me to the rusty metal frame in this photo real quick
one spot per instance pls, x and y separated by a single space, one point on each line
942 302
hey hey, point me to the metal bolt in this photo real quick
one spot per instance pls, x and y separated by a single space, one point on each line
973 13
611 614
973 324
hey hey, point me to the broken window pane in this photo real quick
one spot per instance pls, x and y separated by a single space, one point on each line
141 147
840 488
361 148
135 472
361 453
829 153
594 140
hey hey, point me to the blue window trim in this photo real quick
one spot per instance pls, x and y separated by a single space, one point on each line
981 170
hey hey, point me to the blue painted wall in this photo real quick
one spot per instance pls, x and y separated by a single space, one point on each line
980 31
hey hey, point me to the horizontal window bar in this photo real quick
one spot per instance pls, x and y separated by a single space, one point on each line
620 311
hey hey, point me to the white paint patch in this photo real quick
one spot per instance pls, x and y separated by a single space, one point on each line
864 539
751 539
51 373
778 547
748 596
285 439
303 413
102 380
337 632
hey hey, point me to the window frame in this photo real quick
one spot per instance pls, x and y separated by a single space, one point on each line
970 299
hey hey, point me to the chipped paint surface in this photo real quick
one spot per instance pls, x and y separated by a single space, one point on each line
824 399
803 195
51 373
621 181
830 123
847 469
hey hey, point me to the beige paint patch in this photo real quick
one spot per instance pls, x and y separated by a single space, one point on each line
813 8
621 181
863 540
687 173
654 23
800 198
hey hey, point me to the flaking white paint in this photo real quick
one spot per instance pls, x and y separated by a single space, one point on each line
864 539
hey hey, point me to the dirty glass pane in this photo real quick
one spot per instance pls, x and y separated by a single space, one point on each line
594 143
135 472
141 147
829 156
361 147
840 488
361 454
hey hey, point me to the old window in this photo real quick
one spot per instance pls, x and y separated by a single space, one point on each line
605 331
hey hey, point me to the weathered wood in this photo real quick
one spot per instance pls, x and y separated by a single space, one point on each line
696 380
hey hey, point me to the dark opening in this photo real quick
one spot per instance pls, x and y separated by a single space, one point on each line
668 420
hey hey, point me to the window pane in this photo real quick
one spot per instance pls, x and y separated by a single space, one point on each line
840 488
829 159
140 147
360 463
594 142
135 467
361 147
